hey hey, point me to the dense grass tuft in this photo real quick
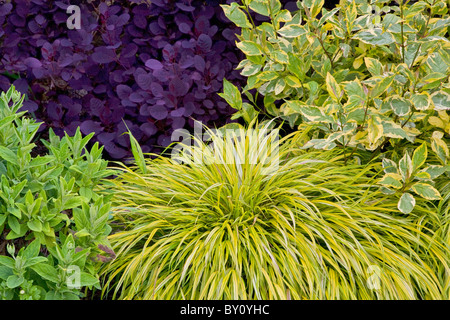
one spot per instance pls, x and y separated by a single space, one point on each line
310 228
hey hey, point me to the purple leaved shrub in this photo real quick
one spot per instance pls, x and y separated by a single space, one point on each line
152 66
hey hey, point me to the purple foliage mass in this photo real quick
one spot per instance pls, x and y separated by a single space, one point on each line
155 67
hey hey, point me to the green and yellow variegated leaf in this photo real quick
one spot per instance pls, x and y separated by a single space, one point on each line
283 16
399 105
267 75
423 175
374 129
442 121
374 66
394 130
406 203
312 113
381 86
405 167
250 69
375 37
389 166
314 7
292 31
391 180
327 16
250 48
426 191
236 15
421 101
293 81
350 17
431 81
280 85
333 88
260 6
439 146
441 100
355 88
280 56
419 157
357 115
434 171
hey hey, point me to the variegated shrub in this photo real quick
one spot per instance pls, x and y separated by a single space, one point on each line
369 76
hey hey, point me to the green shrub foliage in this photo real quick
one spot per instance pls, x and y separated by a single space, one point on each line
53 223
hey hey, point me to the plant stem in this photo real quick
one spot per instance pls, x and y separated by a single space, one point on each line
402 35
319 37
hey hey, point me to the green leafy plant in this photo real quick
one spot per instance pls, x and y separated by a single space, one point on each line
13 272
235 228
49 200
402 177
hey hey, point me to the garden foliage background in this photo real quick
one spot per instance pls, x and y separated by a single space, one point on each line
360 189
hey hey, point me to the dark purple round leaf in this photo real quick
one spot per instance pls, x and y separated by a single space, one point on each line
149 129
178 123
178 87
32 62
21 85
159 112
156 89
144 81
136 97
177 112
30 106
153 64
89 126
199 63
5 9
164 141
184 27
104 55
123 91
129 51
184 7
204 42
140 21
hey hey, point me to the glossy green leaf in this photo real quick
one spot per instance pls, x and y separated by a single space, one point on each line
14 281
47 272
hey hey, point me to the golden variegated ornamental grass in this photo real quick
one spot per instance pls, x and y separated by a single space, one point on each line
443 227
309 228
